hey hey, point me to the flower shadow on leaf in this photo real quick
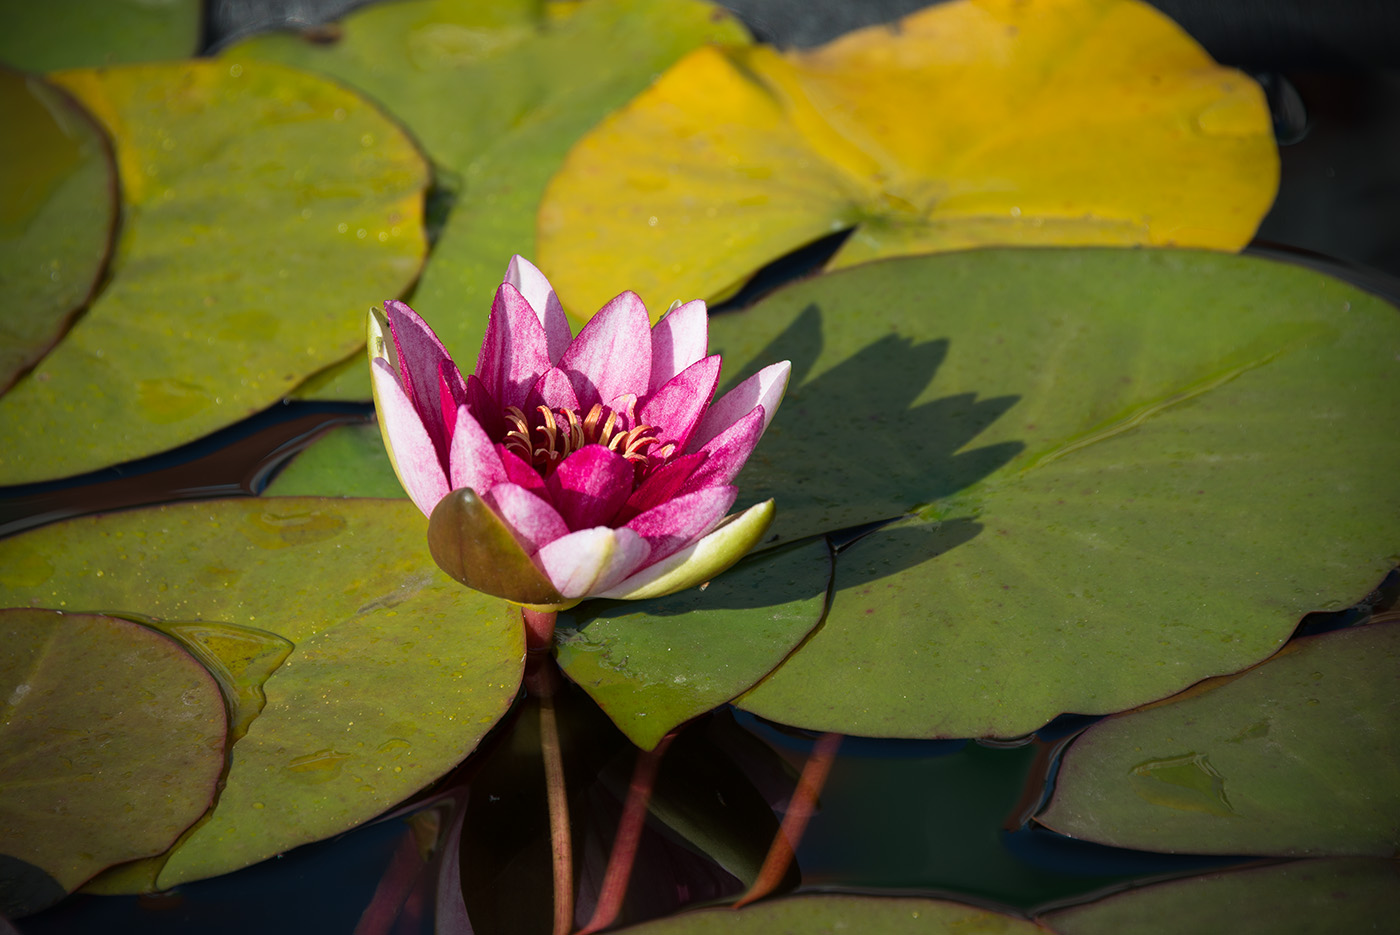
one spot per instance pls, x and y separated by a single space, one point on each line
853 445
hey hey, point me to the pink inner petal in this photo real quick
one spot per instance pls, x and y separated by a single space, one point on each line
518 471
420 354
452 393
726 453
525 276
661 485
552 389
415 457
484 408
612 354
764 388
674 409
473 461
590 486
678 522
677 341
534 522
515 350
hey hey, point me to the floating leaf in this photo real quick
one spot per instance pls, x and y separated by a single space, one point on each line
58 211
90 33
112 742
653 665
1306 896
497 93
348 461
396 675
1133 470
1090 122
264 209
1298 757
827 915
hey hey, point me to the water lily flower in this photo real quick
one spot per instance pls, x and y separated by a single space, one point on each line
571 467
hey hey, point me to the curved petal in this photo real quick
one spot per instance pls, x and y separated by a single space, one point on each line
590 486
515 350
526 277
411 451
472 460
519 471
533 521
764 388
585 561
678 340
661 485
726 453
675 408
699 562
552 389
677 523
420 355
612 354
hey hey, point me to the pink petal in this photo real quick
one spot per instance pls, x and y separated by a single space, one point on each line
472 461
534 522
412 452
591 560
661 485
612 354
515 350
452 394
677 341
590 486
726 453
523 275
764 388
420 354
484 408
674 409
552 389
676 523
519 471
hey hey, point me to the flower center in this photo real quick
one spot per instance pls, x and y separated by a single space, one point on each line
560 432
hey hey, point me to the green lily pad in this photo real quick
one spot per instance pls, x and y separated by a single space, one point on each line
1302 897
396 675
264 209
58 211
112 740
1131 471
653 665
828 915
497 93
91 33
1297 757
348 461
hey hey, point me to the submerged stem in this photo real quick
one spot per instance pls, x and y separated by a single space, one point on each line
800 809
542 686
629 833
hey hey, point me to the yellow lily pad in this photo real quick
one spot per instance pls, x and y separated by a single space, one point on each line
975 122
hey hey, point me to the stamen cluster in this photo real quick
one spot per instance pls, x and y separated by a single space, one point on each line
561 432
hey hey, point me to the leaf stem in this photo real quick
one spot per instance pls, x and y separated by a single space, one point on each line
629 833
799 811
541 681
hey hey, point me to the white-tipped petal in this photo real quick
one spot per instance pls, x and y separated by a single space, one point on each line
411 451
585 561
764 388
699 562
525 276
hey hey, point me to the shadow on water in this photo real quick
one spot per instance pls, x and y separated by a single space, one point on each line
853 445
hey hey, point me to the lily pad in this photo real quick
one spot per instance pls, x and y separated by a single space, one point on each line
396 676
1305 896
1065 122
829 914
348 461
1130 470
653 665
93 33
496 92
262 207
58 211
112 740
1298 757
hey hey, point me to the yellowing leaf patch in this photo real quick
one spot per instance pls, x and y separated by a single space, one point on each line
976 122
